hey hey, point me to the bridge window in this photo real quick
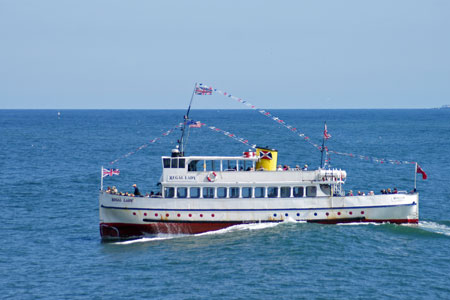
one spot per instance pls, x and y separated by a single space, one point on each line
208 192
272 192
174 162
194 192
298 191
221 192
169 192
181 192
311 191
181 163
166 162
246 192
285 191
259 192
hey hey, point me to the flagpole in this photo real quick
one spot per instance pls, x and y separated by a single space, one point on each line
101 179
323 148
415 177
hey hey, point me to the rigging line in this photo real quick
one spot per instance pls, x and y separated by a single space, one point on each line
165 133
302 135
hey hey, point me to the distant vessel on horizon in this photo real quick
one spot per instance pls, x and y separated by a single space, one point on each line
447 106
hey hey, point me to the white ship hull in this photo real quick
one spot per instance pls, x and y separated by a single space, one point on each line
130 217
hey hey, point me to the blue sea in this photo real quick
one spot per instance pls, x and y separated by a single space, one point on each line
50 177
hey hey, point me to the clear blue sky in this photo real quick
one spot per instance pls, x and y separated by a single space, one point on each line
275 54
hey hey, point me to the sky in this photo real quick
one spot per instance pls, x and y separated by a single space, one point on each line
142 54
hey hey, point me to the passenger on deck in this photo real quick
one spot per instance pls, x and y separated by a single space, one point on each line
152 194
350 193
305 168
286 168
279 168
114 190
297 168
136 190
108 190
395 191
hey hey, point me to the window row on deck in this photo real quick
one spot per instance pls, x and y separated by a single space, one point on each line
242 192
208 165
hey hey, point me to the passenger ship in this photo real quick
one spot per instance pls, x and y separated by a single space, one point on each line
206 193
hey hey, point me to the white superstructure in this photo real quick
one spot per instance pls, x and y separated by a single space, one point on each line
203 193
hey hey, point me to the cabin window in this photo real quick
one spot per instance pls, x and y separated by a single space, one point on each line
259 192
174 162
181 163
272 192
169 192
298 191
193 165
213 165
246 192
181 192
166 162
230 165
208 192
194 192
311 191
221 192
285 191
234 192
326 189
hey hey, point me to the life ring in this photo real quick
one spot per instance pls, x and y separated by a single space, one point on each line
212 176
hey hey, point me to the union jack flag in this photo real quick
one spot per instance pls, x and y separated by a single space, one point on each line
110 172
194 124
265 155
326 135
201 90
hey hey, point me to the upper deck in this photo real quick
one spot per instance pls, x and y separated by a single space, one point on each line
193 170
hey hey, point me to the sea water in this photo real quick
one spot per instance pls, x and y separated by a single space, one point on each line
50 177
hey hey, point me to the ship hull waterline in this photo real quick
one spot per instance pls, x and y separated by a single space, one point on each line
124 217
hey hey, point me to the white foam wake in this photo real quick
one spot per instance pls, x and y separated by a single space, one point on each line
240 227
359 224
159 237
234 228
434 227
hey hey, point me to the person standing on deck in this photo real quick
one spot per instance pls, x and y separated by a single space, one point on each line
136 190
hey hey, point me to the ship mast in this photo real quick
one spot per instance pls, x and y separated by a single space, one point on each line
326 136
186 118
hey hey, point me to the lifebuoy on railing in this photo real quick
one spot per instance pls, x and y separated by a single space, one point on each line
212 176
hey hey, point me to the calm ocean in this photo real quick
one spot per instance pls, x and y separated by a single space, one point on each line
50 176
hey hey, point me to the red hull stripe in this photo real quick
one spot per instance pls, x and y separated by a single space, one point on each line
126 231
262 209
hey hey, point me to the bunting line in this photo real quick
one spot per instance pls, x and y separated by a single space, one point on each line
231 135
166 133
303 135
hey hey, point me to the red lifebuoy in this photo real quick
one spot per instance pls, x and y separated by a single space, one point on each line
212 176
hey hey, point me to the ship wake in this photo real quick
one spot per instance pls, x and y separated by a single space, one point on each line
234 228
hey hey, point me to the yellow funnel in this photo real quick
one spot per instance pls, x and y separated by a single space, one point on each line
267 159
